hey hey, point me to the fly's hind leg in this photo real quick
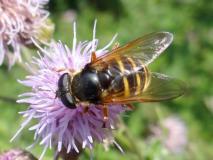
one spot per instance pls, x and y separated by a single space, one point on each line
130 106
105 111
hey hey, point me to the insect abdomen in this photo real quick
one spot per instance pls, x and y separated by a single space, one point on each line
131 77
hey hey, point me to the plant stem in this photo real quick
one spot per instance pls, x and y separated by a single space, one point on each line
132 140
8 99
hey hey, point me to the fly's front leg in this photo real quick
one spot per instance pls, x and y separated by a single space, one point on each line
86 109
85 106
93 57
64 70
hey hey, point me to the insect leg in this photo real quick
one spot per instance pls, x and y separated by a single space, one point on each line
93 57
64 70
130 106
116 45
86 109
105 111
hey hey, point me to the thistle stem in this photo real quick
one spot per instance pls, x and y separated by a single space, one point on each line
132 141
8 99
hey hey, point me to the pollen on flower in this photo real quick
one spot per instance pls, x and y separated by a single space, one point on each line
20 20
59 126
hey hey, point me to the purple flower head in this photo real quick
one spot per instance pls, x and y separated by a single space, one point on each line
172 134
20 20
59 126
17 154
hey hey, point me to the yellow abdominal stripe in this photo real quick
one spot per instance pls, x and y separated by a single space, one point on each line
138 79
126 83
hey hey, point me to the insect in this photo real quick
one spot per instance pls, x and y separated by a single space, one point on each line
121 76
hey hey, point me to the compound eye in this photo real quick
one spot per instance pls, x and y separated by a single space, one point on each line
68 101
64 91
63 81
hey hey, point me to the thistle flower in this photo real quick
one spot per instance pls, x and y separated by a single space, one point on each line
69 16
172 133
20 20
58 125
17 154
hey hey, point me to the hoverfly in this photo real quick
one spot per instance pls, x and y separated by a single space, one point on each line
121 76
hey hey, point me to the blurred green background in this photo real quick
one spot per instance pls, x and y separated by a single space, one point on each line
189 58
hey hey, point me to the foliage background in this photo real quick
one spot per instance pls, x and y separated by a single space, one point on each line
189 58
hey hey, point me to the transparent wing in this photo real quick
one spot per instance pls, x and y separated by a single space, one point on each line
145 48
160 87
